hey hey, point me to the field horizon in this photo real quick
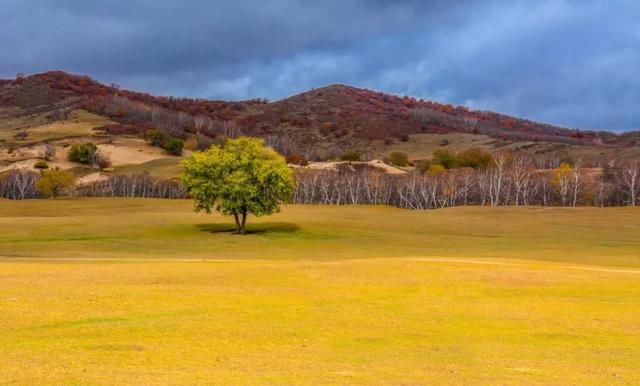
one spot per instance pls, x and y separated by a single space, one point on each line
143 291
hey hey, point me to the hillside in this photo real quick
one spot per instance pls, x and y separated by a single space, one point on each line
60 109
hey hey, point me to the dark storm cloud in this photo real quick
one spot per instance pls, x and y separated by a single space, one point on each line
563 61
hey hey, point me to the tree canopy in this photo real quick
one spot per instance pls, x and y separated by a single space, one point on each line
54 182
239 178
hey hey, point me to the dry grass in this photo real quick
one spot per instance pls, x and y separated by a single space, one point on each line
80 124
142 292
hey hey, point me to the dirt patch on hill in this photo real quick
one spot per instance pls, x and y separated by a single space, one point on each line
131 152
91 178
374 164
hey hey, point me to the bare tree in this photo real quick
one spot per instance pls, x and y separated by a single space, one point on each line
19 184
577 181
629 181
521 172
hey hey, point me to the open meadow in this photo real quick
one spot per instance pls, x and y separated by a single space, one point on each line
138 291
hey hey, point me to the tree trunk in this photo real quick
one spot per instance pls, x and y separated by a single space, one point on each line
235 216
243 228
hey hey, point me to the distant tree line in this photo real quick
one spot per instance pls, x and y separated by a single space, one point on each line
504 181
471 178
24 184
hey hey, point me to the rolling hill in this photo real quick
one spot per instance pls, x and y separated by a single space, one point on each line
60 109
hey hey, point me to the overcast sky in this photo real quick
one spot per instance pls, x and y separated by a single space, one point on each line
569 62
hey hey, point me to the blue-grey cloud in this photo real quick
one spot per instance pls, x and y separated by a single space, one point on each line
567 62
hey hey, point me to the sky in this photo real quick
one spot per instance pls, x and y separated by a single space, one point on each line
574 63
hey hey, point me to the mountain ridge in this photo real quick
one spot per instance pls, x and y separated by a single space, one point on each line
336 116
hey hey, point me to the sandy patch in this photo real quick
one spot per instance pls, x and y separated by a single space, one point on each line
90 178
124 152
131 152
375 163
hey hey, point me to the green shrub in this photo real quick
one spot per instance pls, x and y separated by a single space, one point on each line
398 158
41 165
171 145
435 170
83 153
475 158
471 158
446 158
155 137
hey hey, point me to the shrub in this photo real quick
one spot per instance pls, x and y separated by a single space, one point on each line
446 158
171 145
203 142
398 158
101 160
41 165
48 152
475 158
423 166
155 137
435 169
83 153
350 155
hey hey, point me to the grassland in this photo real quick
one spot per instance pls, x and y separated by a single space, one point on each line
81 124
145 291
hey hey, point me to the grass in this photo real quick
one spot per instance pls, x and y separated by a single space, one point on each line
80 124
145 291
165 168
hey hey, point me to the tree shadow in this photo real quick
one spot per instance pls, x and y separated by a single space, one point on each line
252 229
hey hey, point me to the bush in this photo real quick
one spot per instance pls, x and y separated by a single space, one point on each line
83 153
155 137
48 152
101 160
41 165
54 182
475 158
435 170
446 158
351 156
171 145
471 158
398 158
203 142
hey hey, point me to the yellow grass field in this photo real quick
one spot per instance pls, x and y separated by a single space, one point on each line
117 291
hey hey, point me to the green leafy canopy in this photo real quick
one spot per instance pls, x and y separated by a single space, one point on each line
243 176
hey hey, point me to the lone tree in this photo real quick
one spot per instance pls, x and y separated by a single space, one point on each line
54 182
240 178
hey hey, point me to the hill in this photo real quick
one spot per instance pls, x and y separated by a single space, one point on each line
319 125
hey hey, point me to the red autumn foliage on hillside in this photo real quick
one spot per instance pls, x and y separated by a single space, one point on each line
337 113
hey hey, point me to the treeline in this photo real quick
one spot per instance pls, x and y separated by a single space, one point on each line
22 184
504 181
136 185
